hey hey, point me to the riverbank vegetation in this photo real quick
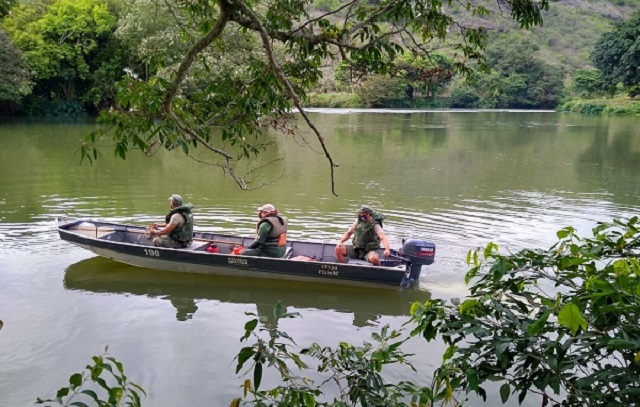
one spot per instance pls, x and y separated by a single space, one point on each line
561 325
66 57
603 106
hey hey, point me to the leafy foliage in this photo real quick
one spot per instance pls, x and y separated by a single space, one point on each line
617 55
41 107
464 96
15 80
562 323
426 76
518 79
383 91
98 377
354 372
614 107
6 5
588 82
62 43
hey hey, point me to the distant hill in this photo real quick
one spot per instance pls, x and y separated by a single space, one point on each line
570 30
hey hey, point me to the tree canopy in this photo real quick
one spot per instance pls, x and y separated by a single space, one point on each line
62 43
518 78
5 6
617 55
240 95
16 80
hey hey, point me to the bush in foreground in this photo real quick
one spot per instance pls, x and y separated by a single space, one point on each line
561 323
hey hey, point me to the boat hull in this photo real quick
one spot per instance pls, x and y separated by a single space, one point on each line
128 244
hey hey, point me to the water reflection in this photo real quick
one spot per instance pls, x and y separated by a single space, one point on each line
184 291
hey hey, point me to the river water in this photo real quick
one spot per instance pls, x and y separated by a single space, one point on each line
461 179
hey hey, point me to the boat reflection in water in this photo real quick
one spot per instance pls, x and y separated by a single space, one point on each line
100 275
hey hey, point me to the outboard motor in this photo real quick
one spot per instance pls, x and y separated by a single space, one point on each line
419 253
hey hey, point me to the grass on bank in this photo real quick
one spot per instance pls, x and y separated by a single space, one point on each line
603 106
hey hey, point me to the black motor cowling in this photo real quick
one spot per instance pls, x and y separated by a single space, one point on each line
419 253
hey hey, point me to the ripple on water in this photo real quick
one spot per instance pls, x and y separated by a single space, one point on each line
40 236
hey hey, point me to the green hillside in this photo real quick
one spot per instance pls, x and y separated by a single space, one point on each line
570 30
531 68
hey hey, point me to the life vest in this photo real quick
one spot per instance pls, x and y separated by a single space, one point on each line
184 233
364 236
278 235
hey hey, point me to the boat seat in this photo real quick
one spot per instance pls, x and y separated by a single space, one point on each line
196 245
359 261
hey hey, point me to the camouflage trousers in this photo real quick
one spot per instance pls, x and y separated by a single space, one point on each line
166 241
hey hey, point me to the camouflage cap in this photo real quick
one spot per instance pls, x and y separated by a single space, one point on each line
365 209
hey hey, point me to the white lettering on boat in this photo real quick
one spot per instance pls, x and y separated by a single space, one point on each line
238 261
152 252
328 270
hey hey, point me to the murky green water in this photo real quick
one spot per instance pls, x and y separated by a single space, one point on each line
460 179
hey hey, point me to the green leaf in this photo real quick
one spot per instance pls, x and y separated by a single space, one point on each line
501 348
563 233
309 399
535 328
257 375
63 392
102 383
299 361
415 306
279 310
75 380
251 325
622 344
244 355
571 317
472 379
505 390
79 404
467 306
91 394
489 249
115 395
471 274
448 354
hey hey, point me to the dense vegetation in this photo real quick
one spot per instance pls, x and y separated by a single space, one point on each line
561 325
70 54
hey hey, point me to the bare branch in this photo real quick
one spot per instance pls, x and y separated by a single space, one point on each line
191 55
313 20
180 75
266 41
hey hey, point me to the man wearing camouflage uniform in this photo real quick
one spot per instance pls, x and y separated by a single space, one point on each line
367 235
177 231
